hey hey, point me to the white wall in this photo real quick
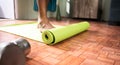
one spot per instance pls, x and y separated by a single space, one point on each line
25 9
7 9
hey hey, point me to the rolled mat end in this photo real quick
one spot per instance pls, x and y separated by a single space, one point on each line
47 37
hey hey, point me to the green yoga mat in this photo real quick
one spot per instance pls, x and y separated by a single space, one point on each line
29 30
58 34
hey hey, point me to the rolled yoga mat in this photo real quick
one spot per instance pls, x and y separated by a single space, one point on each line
56 35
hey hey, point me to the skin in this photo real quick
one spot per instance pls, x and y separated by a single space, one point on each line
43 21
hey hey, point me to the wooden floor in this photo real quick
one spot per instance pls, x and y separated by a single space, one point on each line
100 45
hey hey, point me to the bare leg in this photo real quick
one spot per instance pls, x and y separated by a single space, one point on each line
43 21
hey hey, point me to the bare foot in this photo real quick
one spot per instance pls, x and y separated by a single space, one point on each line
45 26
